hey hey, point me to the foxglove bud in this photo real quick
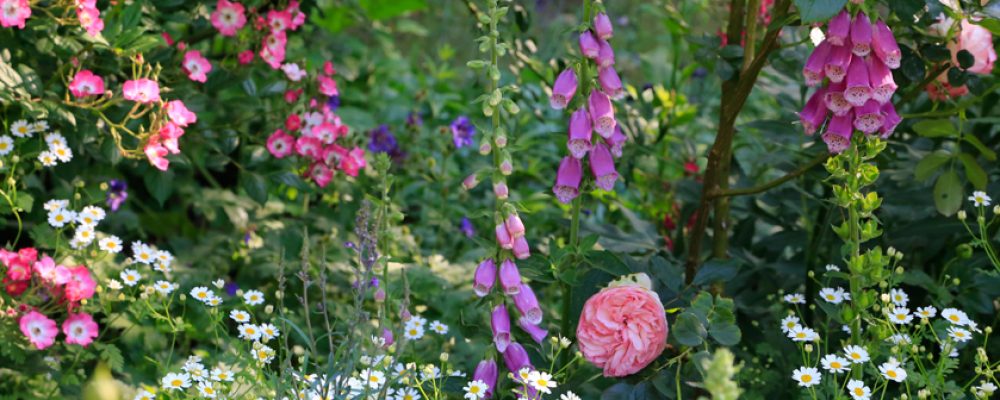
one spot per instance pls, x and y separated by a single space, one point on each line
563 89
568 178
892 119
501 327
868 118
470 182
379 295
838 28
814 113
521 249
605 55
580 133
387 337
486 277
838 133
589 46
510 278
610 82
516 357
503 238
485 147
602 165
537 333
515 226
506 165
834 99
602 113
884 45
858 89
616 141
882 83
527 305
602 26
500 190
500 139
813 70
487 372
837 63
861 35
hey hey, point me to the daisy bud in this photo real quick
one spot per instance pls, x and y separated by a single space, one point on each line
568 178
516 357
602 166
869 118
606 55
884 45
527 305
861 35
859 88
563 89
470 182
536 332
610 82
996 209
838 28
837 63
882 83
269 309
808 348
602 26
510 278
514 226
814 112
838 133
580 133
885 297
892 119
443 357
521 249
500 323
589 46
487 372
602 113
500 190
485 278
813 70
891 251
961 215
503 237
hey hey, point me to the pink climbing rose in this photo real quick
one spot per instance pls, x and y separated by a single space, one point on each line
80 329
228 17
86 83
179 114
141 90
14 13
196 66
39 329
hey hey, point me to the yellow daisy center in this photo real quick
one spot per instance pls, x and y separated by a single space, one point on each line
891 373
835 365
807 378
176 383
859 392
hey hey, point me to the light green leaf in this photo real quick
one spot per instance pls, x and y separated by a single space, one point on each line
935 128
931 163
948 193
973 171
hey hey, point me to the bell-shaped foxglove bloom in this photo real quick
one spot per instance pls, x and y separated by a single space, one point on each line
882 83
487 372
510 278
839 28
486 277
563 89
605 54
580 133
892 119
837 63
869 118
500 190
838 132
616 141
515 226
884 45
602 113
602 26
568 178
814 112
589 46
503 238
611 83
861 35
834 99
536 332
858 89
602 165
500 322
521 249
527 305
813 70
516 357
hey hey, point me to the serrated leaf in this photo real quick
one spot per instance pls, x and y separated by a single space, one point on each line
948 193
111 355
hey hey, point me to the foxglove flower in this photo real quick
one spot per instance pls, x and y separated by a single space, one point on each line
602 113
510 278
602 26
838 132
568 178
86 83
837 63
580 133
814 113
589 46
611 84
616 141
602 166
868 118
892 119
521 249
861 35
500 190
470 182
858 89
834 99
814 68
882 83
536 332
839 28
527 305
500 323
884 45
462 131
605 55
486 276
563 89
515 226
503 237
516 357
487 372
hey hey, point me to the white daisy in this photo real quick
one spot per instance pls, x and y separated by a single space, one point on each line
84 234
206 390
20 128
239 316
59 218
835 363
802 334
55 139
373 378
201 294
795 298
113 284
858 390
164 287
263 354
197 371
56 204
213 301
413 332
899 338
407 394
130 277
110 244
856 354
985 390
253 297
980 199
47 158
832 295
898 297
430 372
960 335
62 153
142 253
476 390
268 332
144 395
892 371
6 145
900 315
807 376
221 375
439 328
40 126
955 316
926 312
569 396
788 323
832 268
523 374
174 381
91 215
541 381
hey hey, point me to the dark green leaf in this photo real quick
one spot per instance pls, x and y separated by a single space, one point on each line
818 10
948 193
973 171
930 163
965 59
688 330
935 128
255 186
159 184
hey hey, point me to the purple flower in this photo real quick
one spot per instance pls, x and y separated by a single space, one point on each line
116 193
466 227
487 372
413 120
231 288
333 103
383 141
462 131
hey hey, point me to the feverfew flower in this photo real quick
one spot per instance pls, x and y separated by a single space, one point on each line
856 354
221 375
541 381
374 379
900 315
47 158
59 218
90 215
164 287
130 277
6 145
835 363
55 205
206 390
985 390
858 390
268 332
239 316
439 328
142 253
175 381
61 153
263 354
144 395
892 371
898 297
795 298
802 334
20 128
926 312
253 297
980 199
832 295
202 294
413 332
959 335
955 316
789 323
249 331
569 396
807 376
476 390
900 338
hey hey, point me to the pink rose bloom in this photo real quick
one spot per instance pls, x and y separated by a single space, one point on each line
80 329
19 264
141 90
81 284
278 21
280 144
39 329
941 90
245 57
170 133
309 147
622 329
976 40
85 83
196 66
327 86
50 273
179 114
321 174
90 19
14 13
156 153
228 17
353 161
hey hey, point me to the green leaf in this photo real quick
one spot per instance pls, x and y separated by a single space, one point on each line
931 163
818 10
111 355
385 9
159 184
973 171
948 193
985 151
965 59
688 330
935 128
991 24
716 270
256 187
25 202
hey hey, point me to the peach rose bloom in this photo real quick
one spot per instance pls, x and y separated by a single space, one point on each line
622 329
978 41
